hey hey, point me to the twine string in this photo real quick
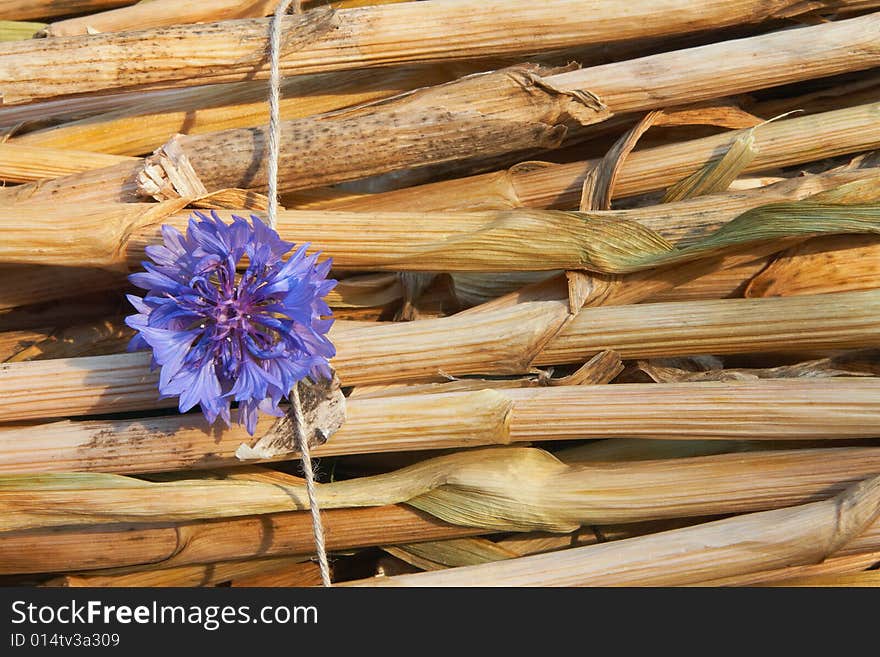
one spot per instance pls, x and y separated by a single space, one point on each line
317 525
275 103
274 149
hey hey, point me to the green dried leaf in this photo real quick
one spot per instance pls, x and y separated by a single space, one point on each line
717 175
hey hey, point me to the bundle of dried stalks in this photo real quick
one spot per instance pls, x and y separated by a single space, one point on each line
726 406
324 39
141 128
619 241
508 340
279 534
502 489
740 545
493 113
780 143
537 184
793 409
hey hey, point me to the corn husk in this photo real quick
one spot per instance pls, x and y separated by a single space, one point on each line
508 489
602 368
820 266
744 544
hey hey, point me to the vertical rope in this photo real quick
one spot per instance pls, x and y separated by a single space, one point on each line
274 148
275 104
317 525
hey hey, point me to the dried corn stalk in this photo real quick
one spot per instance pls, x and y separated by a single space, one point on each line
13 342
505 489
493 113
794 409
157 13
114 236
744 544
282 534
540 184
507 340
356 38
19 163
143 127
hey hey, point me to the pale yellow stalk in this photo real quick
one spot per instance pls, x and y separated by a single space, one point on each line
767 410
507 340
744 544
370 36
502 489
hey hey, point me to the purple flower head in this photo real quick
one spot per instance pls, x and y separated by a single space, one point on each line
222 336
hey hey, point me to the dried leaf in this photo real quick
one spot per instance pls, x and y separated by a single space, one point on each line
323 408
717 175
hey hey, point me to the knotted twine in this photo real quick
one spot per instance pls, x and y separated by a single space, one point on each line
274 148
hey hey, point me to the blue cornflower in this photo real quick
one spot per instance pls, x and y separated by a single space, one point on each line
221 336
